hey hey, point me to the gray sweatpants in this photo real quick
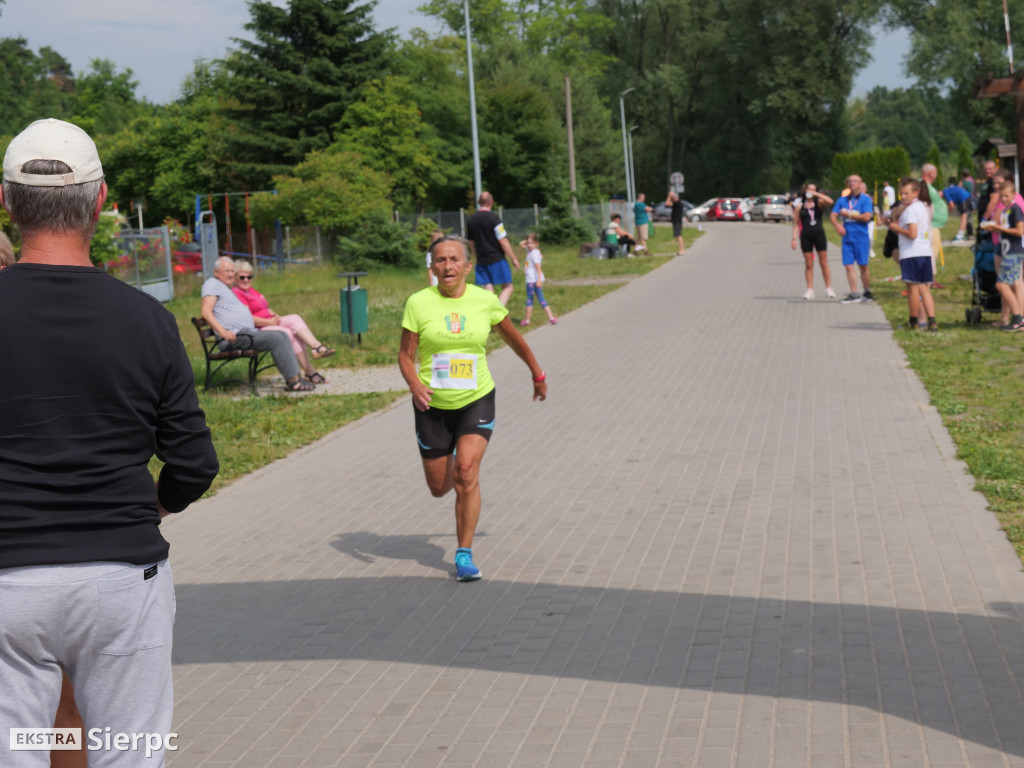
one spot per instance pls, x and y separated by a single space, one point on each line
110 628
278 344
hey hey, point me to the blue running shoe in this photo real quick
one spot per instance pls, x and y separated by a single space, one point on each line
464 568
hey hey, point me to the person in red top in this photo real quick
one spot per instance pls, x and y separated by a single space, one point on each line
268 320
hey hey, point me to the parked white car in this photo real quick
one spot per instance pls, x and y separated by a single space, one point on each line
772 208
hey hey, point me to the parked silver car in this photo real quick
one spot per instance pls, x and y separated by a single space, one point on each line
700 212
771 208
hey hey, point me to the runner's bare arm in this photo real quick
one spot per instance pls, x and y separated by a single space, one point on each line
511 336
409 367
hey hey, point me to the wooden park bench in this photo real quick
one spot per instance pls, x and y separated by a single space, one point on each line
216 359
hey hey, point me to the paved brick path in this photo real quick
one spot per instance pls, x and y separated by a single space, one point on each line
735 535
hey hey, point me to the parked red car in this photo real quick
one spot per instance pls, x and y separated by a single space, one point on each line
726 209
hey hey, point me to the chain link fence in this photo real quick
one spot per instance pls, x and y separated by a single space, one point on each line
520 221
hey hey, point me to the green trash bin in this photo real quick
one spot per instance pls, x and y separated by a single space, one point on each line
355 310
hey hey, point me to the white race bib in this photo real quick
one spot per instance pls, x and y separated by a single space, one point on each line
456 370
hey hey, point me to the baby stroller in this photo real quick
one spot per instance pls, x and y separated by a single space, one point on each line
985 297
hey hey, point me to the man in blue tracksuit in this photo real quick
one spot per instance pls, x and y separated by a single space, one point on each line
850 216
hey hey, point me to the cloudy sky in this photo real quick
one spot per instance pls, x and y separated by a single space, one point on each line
159 40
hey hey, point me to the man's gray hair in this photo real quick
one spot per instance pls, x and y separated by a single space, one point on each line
224 261
62 210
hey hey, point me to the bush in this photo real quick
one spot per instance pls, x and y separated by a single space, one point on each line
874 166
421 237
379 241
559 226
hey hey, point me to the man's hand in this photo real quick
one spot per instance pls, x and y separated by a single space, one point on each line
229 336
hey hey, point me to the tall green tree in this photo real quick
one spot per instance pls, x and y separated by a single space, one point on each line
523 52
386 127
740 107
105 100
167 154
292 82
32 84
912 118
953 45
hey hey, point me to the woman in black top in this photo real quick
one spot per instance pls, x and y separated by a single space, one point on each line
809 212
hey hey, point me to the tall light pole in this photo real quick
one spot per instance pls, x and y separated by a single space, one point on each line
632 165
472 107
625 139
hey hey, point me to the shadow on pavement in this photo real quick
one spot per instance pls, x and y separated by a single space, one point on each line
366 547
942 670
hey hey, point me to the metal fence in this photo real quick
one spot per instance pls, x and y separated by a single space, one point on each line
520 221
144 260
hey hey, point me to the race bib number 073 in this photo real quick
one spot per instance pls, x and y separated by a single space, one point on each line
453 371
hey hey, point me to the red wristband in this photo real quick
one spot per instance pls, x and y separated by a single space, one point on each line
540 378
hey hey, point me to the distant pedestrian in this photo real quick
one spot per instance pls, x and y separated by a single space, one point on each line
436 235
1011 227
850 217
677 215
888 197
915 254
809 211
616 238
958 201
940 211
534 278
642 216
997 209
967 182
489 243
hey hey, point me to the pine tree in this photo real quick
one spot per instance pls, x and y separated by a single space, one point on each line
293 82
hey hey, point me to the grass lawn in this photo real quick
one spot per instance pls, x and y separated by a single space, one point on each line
250 432
974 375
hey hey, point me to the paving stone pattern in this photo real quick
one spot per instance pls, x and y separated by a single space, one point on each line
736 534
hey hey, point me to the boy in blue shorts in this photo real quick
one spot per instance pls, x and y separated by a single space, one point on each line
850 216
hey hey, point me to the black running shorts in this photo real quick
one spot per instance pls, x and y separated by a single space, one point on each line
438 430
813 241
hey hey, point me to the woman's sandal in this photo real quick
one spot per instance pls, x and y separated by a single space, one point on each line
316 378
298 386
322 351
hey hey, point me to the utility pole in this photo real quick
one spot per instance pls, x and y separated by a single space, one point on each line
472 108
572 147
625 139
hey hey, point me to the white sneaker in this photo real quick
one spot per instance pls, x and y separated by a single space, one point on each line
830 293
809 293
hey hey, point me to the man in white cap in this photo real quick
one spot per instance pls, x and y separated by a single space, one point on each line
96 381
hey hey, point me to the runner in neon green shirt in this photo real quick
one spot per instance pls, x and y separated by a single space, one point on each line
443 360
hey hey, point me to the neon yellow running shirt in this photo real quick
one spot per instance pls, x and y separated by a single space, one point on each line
452 343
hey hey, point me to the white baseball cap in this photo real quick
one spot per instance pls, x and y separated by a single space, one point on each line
53 139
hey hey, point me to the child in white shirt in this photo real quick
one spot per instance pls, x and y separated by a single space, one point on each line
534 278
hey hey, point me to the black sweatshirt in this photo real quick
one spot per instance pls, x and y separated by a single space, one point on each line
94 381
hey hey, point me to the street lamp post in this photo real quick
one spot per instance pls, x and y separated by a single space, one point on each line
632 164
625 138
472 107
